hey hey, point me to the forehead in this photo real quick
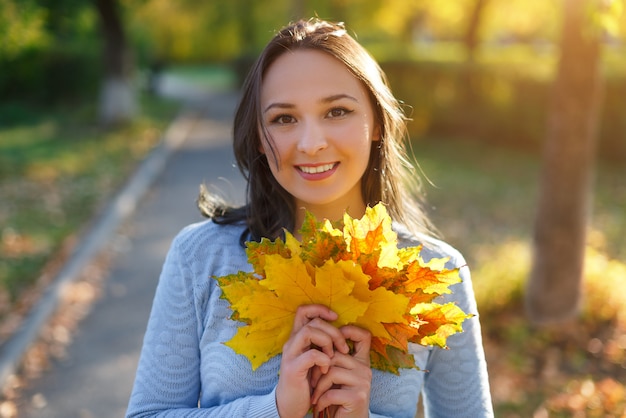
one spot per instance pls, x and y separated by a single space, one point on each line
309 74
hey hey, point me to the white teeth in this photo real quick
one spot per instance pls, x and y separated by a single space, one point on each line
318 169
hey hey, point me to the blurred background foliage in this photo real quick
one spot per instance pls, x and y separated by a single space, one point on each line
476 78
439 56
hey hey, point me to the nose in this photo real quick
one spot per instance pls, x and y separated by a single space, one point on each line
312 138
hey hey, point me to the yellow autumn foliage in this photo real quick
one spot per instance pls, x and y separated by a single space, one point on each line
358 271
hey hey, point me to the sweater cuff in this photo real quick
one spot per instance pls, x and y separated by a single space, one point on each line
265 406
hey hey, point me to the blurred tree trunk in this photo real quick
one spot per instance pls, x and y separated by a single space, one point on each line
471 39
118 102
469 79
554 288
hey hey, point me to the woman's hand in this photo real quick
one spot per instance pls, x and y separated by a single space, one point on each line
345 387
314 342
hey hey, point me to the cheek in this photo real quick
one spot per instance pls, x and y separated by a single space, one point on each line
357 134
367 128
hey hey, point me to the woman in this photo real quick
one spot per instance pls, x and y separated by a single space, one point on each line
317 129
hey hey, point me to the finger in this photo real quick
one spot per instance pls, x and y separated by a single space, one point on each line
315 376
346 372
317 334
306 313
327 381
313 359
305 325
362 340
299 367
330 399
315 314
347 388
344 403
293 391
338 341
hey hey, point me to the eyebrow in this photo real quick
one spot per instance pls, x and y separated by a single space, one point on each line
328 99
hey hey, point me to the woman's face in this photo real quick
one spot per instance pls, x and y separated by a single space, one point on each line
320 122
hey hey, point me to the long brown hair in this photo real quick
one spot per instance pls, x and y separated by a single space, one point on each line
388 177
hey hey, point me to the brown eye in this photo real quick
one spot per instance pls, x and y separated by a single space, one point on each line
283 120
338 112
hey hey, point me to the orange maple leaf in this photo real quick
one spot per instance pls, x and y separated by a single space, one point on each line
435 322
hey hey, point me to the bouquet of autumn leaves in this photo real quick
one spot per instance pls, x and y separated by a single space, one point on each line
356 269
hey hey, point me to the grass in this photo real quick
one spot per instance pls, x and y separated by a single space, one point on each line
57 168
482 203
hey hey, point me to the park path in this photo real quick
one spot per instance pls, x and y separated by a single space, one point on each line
95 378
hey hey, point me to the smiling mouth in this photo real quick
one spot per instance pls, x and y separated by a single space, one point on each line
316 169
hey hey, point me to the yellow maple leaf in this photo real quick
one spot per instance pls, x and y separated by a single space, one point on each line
269 320
268 306
290 279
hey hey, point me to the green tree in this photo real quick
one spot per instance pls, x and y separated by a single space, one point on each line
47 50
22 27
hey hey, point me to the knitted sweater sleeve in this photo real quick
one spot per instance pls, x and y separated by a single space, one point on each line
457 384
167 382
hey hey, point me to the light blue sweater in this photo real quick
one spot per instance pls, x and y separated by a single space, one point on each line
185 370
